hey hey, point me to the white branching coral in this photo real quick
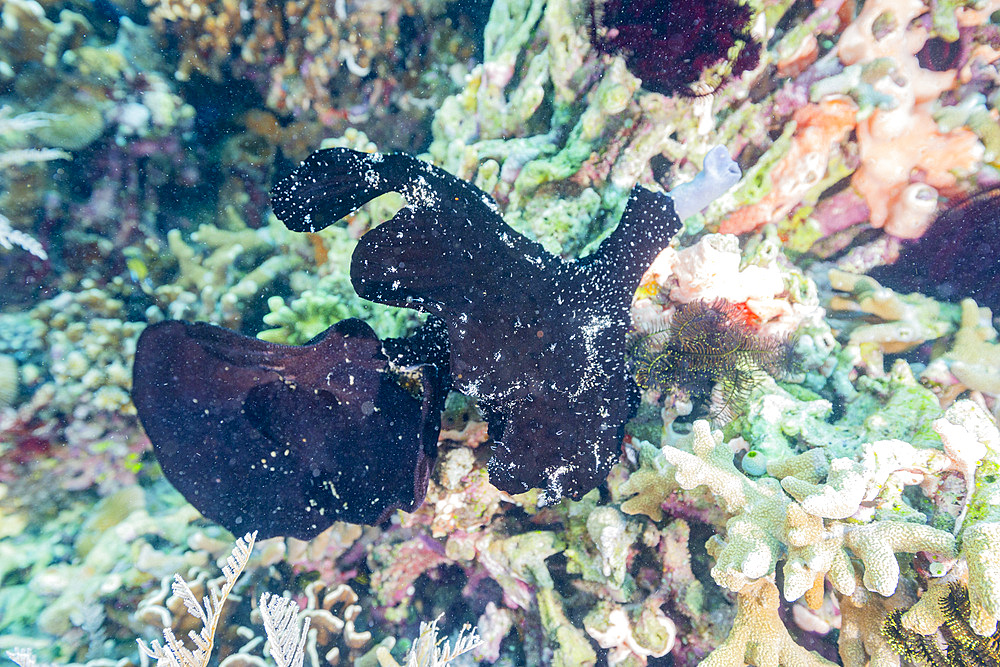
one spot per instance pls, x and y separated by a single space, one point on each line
821 517
173 652
429 651
10 237
849 483
286 636
759 637
981 549
767 525
13 129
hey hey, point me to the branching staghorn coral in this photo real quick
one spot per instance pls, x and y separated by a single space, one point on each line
862 615
211 283
841 517
817 534
758 636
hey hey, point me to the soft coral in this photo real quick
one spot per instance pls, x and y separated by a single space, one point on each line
670 44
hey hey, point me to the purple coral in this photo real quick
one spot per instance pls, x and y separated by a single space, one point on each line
669 44
958 257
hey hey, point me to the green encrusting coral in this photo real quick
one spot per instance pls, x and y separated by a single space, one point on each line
781 422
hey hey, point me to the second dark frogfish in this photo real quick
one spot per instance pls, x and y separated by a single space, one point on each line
287 439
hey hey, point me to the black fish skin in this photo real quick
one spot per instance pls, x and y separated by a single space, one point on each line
285 439
538 340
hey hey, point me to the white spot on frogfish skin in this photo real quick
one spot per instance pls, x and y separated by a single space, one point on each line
554 492
421 194
592 370
470 389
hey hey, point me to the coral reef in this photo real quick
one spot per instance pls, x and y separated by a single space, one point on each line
353 61
845 513
791 514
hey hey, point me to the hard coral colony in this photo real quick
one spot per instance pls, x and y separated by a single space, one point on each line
750 421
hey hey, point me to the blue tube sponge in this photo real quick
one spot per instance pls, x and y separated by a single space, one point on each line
754 463
719 173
